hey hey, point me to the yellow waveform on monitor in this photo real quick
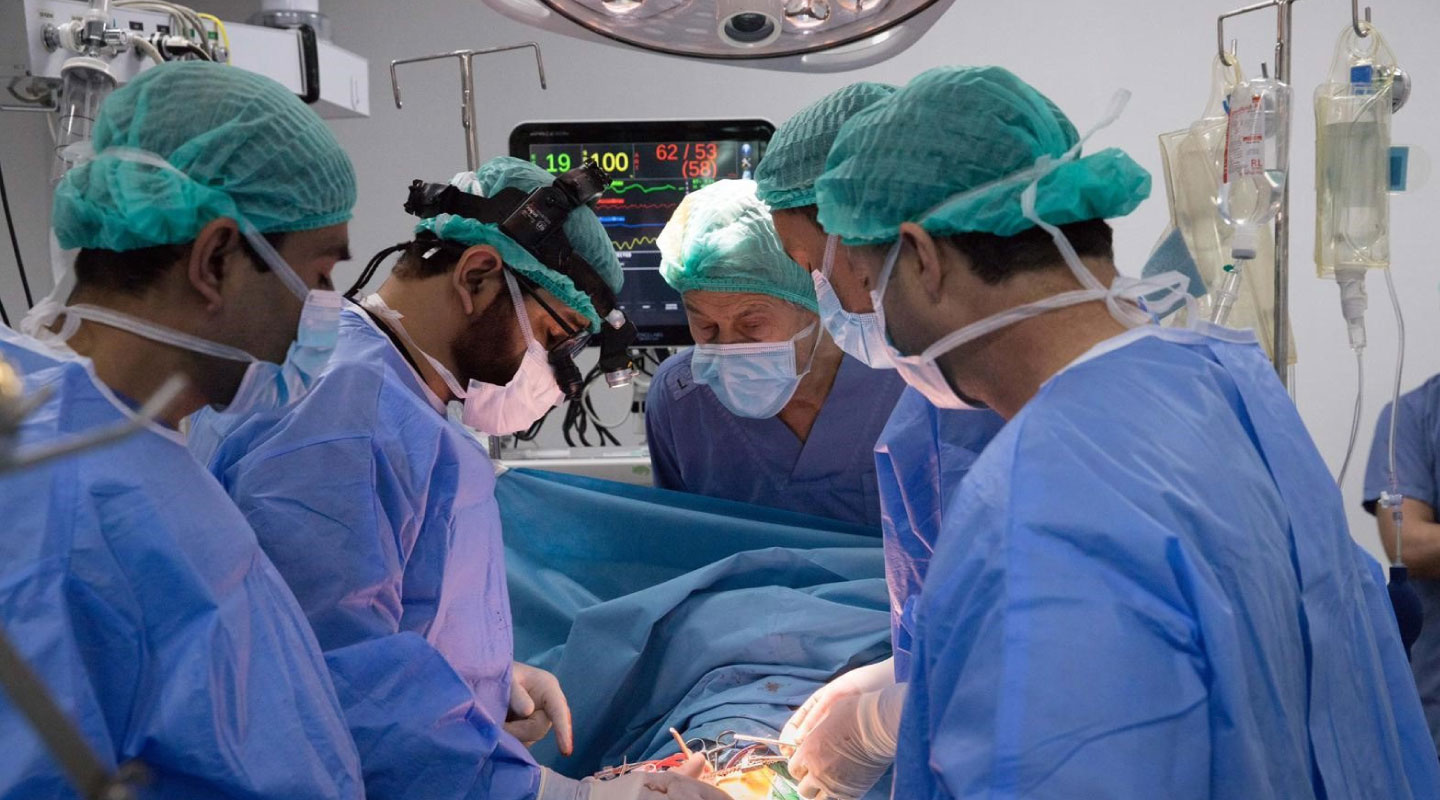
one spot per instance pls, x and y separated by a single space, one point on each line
631 244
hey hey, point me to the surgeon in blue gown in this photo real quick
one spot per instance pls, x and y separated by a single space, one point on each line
380 511
922 451
1145 585
766 409
1417 480
128 580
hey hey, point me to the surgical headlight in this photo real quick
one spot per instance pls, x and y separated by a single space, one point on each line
536 221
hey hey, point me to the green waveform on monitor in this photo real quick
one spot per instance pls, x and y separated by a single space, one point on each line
631 244
621 187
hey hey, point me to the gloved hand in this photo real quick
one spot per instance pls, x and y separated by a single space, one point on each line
850 747
852 684
677 784
536 702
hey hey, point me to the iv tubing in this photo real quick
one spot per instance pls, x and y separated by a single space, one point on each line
1397 513
1355 421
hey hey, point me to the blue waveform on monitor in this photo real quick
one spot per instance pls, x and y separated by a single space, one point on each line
617 224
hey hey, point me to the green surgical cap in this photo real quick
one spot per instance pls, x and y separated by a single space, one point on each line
953 151
721 239
795 156
582 228
247 147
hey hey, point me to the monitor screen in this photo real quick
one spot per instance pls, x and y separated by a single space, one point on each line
652 166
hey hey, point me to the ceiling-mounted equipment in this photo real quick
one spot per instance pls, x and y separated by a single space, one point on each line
793 35
38 38
292 14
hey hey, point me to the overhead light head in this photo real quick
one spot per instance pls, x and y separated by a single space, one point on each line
799 35
621 8
806 15
749 23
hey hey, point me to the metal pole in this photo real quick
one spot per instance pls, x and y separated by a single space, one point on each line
467 89
1281 345
467 112
1283 45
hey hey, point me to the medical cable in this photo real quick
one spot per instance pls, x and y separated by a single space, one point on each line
576 424
143 45
14 246
595 416
219 29
647 357
529 434
181 14
188 48
579 418
371 267
630 406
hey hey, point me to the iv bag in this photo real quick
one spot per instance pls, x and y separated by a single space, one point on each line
1257 158
1352 156
1193 162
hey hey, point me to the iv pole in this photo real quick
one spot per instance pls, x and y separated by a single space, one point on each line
1283 45
467 89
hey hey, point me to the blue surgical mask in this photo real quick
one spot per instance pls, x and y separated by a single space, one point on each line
1172 254
753 379
268 386
859 335
265 385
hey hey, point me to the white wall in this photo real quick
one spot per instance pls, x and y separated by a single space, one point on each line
1077 51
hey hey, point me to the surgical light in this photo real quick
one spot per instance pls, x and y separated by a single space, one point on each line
795 35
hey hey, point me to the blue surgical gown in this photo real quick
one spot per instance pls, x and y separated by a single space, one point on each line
698 446
920 458
1146 588
1417 440
137 592
381 515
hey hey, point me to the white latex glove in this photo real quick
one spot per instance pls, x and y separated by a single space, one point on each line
677 784
851 746
536 702
852 684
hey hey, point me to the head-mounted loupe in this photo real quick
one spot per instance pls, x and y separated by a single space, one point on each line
536 222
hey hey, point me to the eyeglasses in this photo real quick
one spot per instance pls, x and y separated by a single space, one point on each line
561 355
575 340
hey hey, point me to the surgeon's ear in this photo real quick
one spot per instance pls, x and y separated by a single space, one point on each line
473 276
927 259
205 264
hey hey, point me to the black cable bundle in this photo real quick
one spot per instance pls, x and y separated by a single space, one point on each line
580 416
15 245
372 267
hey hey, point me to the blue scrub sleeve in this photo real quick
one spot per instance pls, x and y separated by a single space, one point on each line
661 439
1414 455
1420 768
342 546
418 728
1019 703
228 700
417 723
